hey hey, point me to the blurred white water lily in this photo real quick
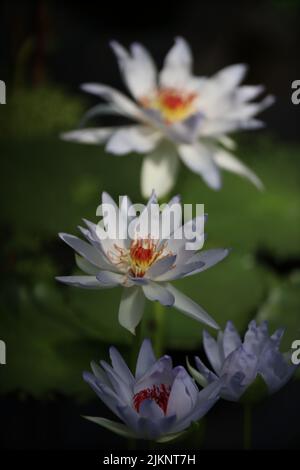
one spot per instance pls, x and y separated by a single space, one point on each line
144 265
180 116
158 402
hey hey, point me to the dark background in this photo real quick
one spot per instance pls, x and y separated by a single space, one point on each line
66 43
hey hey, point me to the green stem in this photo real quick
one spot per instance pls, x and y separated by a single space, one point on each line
159 318
136 344
247 426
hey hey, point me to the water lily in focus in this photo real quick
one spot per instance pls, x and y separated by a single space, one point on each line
142 264
158 402
180 117
241 363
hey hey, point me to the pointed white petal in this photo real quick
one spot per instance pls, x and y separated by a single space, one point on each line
183 396
231 76
125 106
138 69
83 248
146 359
229 162
227 142
198 158
101 109
190 308
85 265
159 171
177 65
160 267
133 139
156 292
231 339
108 278
131 308
89 136
249 92
208 259
213 351
85 282
246 111
120 366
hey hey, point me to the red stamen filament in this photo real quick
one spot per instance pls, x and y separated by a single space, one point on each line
159 393
173 100
143 253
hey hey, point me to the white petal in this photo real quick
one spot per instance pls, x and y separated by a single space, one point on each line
190 308
159 171
102 109
146 359
171 217
229 77
231 339
115 222
121 387
209 258
248 110
213 351
150 410
248 92
220 125
107 199
227 142
198 158
138 69
120 366
183 395
89 136
156 292
160 267
125 106
108 278
133 139
85 265
85 282
83 248
131 308
177 65
229 162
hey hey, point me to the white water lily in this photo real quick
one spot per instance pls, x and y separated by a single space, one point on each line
239 362
143 265
157 402
179 115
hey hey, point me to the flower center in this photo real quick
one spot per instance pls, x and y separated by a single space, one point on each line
174 105
141 255
159 393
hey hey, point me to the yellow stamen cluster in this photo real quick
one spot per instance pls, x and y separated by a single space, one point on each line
141 255
174 105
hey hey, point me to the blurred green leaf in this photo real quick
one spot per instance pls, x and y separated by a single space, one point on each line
40 111
244 218
282 308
